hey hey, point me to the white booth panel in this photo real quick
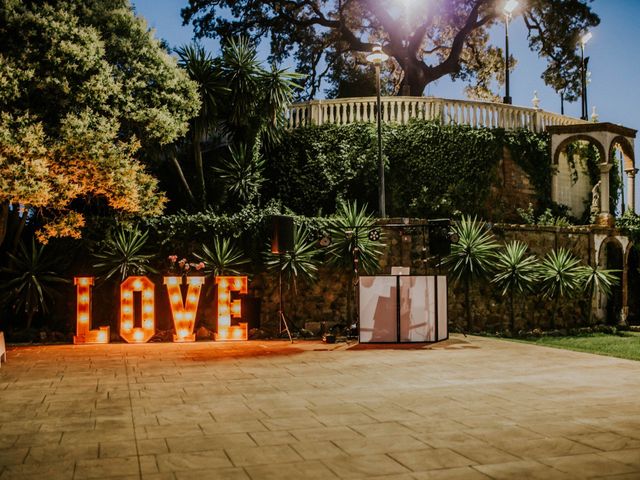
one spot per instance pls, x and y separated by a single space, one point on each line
417 309
443 332
378 309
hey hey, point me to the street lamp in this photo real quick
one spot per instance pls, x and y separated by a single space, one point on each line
584 39
509 7
377 56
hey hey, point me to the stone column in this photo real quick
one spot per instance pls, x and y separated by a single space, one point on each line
631 189
605 218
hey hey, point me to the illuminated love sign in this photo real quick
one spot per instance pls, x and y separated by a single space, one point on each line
84 334
228 309
183 309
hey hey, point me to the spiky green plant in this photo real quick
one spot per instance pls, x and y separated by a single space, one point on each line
351 246
515 273
122 253
594 280
241 173
301 263
222 258
471 258
559 277
31 281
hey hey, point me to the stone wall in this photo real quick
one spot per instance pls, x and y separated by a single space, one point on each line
325 301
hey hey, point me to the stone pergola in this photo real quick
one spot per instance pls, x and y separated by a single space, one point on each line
607 138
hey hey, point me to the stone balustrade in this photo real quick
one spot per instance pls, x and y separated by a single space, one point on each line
344 111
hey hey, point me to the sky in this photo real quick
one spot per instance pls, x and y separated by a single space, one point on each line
614 60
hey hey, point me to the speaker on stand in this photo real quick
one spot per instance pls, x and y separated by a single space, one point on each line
281 244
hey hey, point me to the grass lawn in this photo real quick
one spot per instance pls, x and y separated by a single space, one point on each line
624 345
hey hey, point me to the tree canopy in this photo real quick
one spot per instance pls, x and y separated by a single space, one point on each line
83 84
426 40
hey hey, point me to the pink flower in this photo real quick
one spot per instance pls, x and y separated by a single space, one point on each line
173 258
200 266
182 262
187 267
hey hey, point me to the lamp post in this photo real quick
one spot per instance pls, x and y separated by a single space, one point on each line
377 56
584 39
509 7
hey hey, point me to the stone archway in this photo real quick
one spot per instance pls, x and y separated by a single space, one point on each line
605 136
611 255
624 145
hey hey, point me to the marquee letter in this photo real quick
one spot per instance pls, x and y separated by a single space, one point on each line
128 330
84 334
184 312
228 309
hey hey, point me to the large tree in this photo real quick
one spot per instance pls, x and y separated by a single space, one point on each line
83 84
426 39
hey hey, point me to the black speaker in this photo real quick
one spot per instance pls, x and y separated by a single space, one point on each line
282 234
439 239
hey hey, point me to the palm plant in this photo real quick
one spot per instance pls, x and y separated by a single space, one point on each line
223 258
32 280
515 273
351 246
122 253
242 172
258 97
300 263
471 258
594 280
559 277
201 68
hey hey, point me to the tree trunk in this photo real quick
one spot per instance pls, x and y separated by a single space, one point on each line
556 304
4 219
512 313
182 178
197 152
467 303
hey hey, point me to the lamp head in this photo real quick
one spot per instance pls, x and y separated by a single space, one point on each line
377 56
510 6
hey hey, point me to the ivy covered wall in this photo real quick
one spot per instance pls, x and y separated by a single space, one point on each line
432 170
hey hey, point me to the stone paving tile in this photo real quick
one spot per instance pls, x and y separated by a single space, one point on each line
280 437
589 465
380 444
317 450
106 467
176 462
607 441
460 473
364 466
430 459
270 454
312 470
217 474
52 453
528 469
629 457
49 471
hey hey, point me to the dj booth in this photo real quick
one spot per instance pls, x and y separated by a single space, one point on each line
403 308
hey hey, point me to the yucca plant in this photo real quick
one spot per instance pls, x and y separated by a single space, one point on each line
594 280
349 231
222 258
301 263
31 281
122 253
559 277
472 258
515 273
241 173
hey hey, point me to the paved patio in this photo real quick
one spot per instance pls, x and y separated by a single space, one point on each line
472 408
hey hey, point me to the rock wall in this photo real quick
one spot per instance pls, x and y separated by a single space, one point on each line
326 301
